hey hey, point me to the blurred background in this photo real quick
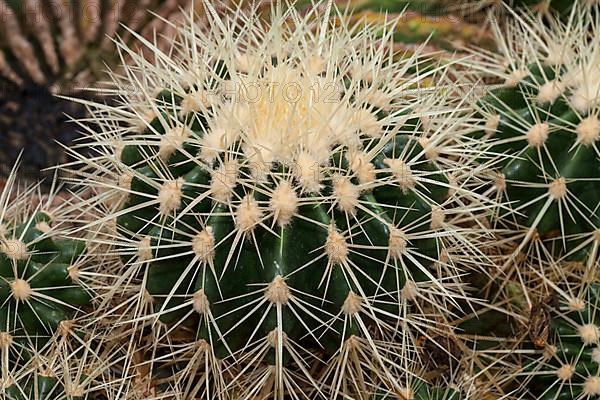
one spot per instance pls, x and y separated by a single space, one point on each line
61 47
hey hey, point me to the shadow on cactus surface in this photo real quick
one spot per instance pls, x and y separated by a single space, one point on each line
282 203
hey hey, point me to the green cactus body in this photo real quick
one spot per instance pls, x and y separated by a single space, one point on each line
37 290
545 127
284 245
571 363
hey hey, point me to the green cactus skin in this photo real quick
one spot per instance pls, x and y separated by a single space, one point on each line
545 128
33 262
571 368
40 388
421 390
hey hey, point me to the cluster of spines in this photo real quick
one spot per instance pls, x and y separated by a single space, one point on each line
544 128
202 188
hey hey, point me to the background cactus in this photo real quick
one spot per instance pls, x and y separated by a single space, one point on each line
283 229
42 284
544 127
569 362
62 47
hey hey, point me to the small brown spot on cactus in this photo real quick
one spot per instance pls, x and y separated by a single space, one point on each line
66 327
576 304
491 125
516 77
549 92
402 173
410 291
437 217
74 273
172 141
6 340
345 193
43 227
144 249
